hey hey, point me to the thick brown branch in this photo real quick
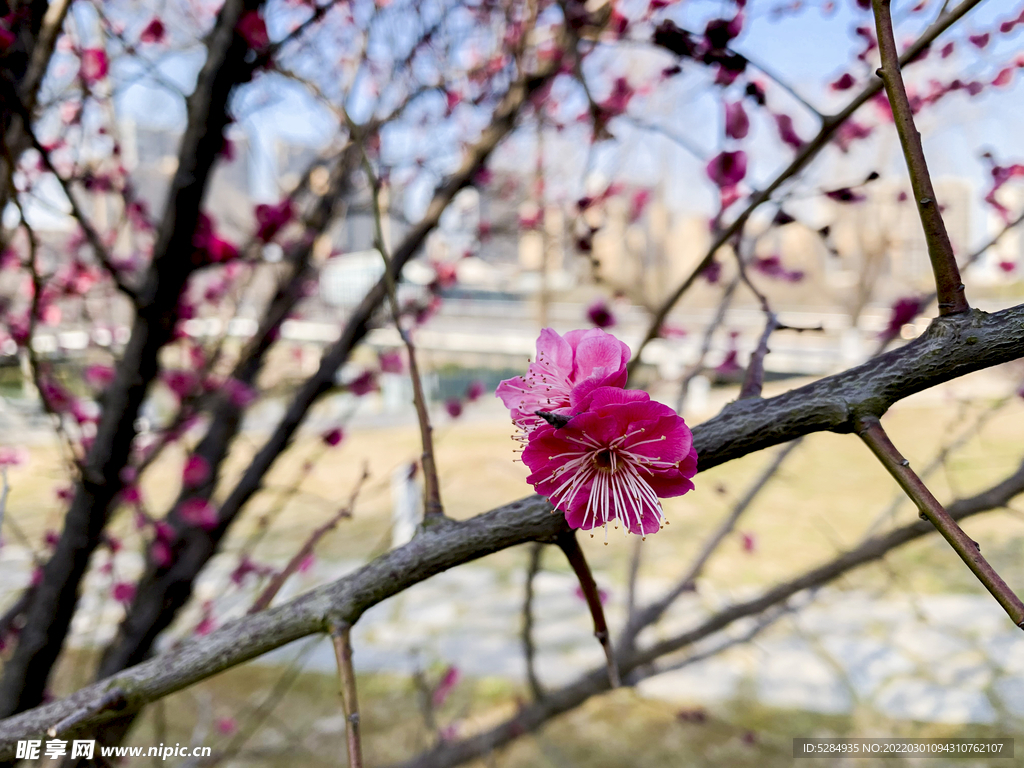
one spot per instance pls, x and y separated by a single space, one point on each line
948 285
49 616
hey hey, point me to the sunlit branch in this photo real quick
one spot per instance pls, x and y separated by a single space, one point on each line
948 286
807 152
878 441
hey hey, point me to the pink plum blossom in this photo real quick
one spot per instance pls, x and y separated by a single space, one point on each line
727 169
199 512
737 124
391 362
123 592
254 30
612 462
196 472
787 133
333 437
454 407
475 390
903 311
271 218
99 376
445 686
565 371
94 65
600 314
363 384
154 32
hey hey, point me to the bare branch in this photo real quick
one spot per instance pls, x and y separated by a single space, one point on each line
803 156
569 545
529 650
347 684
878 441
948 285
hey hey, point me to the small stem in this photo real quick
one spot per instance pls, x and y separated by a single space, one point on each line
529 650
347 686
638 620
432 507
574 554
267 596
948 284
872 433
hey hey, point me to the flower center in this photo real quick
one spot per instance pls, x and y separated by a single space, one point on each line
603 459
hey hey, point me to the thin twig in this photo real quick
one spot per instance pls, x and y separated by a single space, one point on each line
432 508
948 285
306 549
95 241
529 650
925 301
568 543
112 700
653 612
347 684
705 347
802 157
872 433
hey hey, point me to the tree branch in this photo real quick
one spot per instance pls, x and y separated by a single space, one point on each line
948 285
55 600
342 640
952 347
532 717
529 649
803 156
570 546
874 436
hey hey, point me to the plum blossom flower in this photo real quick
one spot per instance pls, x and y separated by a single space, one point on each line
475 390
727 169
600 314
271 218
123 592
445 686
737 124
332 437
613 461
254 30
787 132
391 362
196 472
154 32
94 65
565 371
903 311
199 512
363 384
